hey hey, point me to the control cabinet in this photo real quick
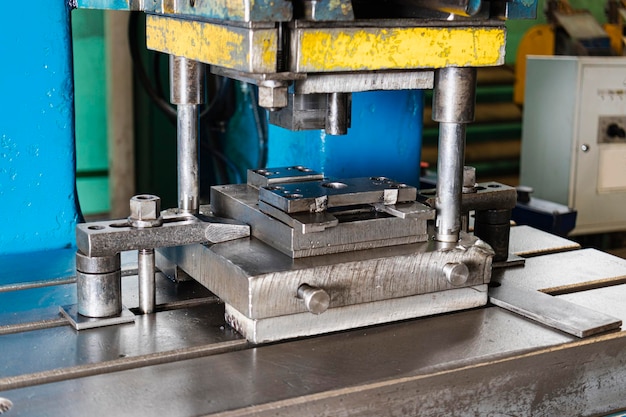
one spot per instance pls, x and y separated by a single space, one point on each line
574 137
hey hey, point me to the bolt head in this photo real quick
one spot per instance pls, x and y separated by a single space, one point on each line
273 97
145 207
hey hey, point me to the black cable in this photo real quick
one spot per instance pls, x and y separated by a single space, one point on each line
212 117
220 92
156 74
261 128
226 160
140 70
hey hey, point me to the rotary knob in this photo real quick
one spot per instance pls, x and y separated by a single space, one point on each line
615 131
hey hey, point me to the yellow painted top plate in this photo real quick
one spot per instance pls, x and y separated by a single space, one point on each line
354 49
225 46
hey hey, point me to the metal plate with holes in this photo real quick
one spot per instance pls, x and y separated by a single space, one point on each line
296 173
379 230
488 195
527 241
320 195
105 238
566 272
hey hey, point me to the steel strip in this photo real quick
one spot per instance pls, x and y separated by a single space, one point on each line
551 311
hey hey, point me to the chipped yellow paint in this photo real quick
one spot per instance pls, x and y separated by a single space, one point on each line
225 46
354 49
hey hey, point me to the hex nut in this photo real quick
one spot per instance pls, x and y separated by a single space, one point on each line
145 211
273 95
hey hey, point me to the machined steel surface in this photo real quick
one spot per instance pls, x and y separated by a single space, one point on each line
551 311
266 177
146 269
315 196
451 153
487 195
454 98
187 317
302 112
98 285
186 78
81 322
483 361
566 272
261 282
454 95
263 330
527 241
409 366
364 81
338 113
187 156
105 238
186 91
240 202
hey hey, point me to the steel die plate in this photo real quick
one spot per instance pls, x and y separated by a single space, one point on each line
318 195
261 282
355 316
269 176
240 202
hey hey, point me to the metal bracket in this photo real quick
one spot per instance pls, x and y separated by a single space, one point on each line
107 238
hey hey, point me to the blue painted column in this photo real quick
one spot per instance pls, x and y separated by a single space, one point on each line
37 157
385 140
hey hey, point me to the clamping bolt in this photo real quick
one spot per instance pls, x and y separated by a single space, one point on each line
145 211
